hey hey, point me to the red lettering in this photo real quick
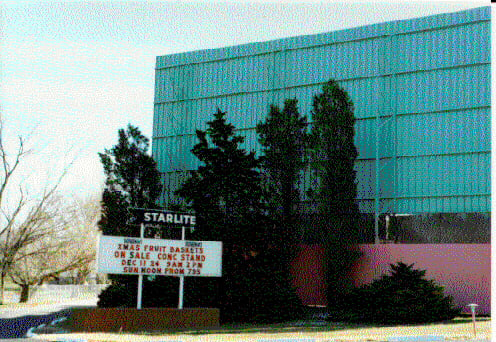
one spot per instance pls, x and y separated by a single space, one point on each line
118 254
128 262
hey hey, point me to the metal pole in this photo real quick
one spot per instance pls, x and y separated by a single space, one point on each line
140 290
181 292
140 277
181 278
387 227
377 195
472 309
473 320
377 186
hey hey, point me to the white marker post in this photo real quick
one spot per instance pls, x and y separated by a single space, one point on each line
472 309
140 277
181 277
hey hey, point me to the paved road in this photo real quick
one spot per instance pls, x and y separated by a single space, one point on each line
18 327
22 340
16 321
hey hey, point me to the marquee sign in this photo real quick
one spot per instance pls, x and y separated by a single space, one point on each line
125 255
154 216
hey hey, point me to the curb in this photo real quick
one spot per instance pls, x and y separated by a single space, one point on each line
32 331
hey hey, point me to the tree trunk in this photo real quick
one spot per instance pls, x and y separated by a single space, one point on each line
2 288
24 293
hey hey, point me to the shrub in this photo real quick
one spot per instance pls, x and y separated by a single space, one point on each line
161 292
403 296
117 295
261 292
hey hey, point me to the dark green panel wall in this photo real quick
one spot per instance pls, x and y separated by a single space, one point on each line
421 90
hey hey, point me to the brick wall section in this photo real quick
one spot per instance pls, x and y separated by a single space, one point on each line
148 319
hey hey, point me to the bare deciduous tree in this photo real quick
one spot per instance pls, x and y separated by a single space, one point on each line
10 239
83 229
31 224
69 244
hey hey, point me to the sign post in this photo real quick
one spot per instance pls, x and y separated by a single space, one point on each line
153 216
140 277
181 277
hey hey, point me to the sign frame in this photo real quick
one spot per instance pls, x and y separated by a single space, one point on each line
160 257
172 219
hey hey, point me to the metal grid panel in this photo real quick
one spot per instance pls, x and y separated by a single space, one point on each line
420 88
447 47
444 175
443 89
438 133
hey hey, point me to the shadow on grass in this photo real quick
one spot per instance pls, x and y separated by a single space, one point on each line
270 328
465 320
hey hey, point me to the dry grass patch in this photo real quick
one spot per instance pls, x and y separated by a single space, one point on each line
458 329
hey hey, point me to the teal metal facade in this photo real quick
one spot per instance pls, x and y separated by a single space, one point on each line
421 90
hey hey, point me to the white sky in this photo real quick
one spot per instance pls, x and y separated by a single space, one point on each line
75 72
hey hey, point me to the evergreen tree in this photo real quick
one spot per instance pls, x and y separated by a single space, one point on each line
132 181
333 155
228 198
225 191
283 138
405 296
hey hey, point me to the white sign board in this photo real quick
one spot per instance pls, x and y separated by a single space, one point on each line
125 255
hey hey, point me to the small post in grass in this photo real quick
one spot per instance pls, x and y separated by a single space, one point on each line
472 309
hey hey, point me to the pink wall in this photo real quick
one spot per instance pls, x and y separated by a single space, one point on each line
464 270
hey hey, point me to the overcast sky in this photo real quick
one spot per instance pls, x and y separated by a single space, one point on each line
76 72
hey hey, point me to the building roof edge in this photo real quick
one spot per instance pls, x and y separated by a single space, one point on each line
394 27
